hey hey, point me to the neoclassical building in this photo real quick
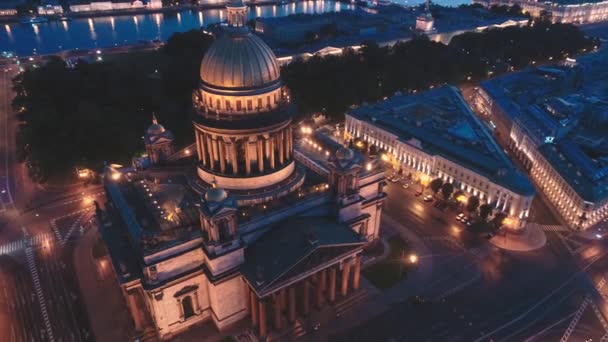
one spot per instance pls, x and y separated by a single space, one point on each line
434 134
264 227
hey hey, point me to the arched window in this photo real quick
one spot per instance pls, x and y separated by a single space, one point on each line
187 307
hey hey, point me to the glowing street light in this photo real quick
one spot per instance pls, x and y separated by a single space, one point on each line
115 176
413 258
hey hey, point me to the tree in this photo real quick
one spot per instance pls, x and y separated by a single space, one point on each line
498 220
472 204
545 17
436 185
328 30
27 8
446 190
97 112
484 211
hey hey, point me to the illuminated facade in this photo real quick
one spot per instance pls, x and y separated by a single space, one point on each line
435 134
551 127
560 12
261 231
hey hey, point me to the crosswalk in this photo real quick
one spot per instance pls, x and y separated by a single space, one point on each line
552 228
18 245
575 319
34 272
84 213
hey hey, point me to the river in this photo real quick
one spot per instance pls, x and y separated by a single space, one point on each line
88 33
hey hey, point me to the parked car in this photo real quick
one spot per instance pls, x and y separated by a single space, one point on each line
405 185
418 193
460 217
428 198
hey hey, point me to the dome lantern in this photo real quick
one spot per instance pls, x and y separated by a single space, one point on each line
237 13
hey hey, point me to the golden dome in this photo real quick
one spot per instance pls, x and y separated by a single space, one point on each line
239 59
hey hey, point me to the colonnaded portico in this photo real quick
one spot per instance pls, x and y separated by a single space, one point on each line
276 303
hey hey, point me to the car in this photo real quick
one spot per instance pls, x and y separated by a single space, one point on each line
417 300
393 179
428 198
418 193
405 185
460 217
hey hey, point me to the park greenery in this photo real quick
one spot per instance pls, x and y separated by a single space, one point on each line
84 113
334 83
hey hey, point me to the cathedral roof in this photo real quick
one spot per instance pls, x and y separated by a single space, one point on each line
239 59
298 245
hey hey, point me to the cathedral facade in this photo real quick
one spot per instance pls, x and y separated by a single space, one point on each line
267 226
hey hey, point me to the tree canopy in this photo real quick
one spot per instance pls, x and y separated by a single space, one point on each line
95 112
336 82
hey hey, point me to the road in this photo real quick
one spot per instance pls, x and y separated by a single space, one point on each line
480 293
40 298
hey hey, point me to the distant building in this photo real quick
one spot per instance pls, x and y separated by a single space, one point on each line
7 12
50 7
263 227
560 11
425 22
434 134
104 6
557 129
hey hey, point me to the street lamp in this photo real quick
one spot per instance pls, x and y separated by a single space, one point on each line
413 258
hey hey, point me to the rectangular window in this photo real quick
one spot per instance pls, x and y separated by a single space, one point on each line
259 102
268 100
249 104
238 105
228 104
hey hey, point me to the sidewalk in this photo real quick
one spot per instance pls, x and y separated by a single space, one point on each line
530 239
333 319
105 306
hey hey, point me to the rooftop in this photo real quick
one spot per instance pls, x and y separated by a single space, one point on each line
565 117
439 122
303 244
160 211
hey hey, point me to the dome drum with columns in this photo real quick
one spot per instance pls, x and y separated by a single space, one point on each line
243 131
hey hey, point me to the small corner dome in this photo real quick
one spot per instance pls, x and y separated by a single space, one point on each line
216 195
239 59
345 154
155 129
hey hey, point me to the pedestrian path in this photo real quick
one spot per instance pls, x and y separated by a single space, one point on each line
353 300
83 216
19 245
36 280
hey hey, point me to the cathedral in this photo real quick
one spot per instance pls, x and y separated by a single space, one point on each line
263 223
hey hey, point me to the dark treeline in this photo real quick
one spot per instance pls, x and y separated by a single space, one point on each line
333 83
83 115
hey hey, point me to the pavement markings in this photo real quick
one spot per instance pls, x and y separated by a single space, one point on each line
34 272
552 228
459 287
16 246
599 315
53 222
575 319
